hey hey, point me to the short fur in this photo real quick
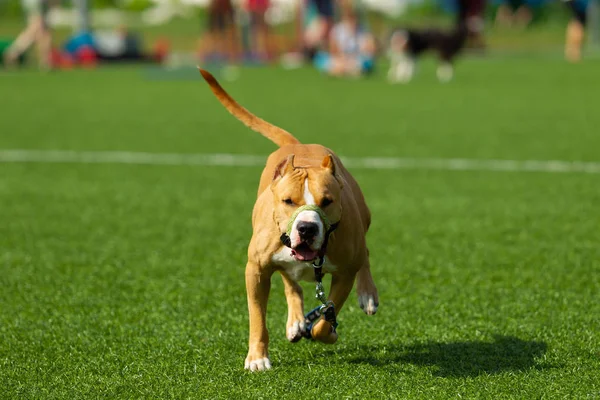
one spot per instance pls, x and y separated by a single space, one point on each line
289 172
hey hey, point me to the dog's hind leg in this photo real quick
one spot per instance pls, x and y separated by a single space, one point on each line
258 285
368 298
295 326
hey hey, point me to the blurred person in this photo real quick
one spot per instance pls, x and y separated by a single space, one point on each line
314 21
118 44
575 29
470 15
312 29
351 48
261 45
221 39
318 16
36 32
517 13
123 45
513 13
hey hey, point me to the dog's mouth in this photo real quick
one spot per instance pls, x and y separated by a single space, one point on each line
303 252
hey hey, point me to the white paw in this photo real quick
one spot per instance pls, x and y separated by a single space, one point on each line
368 304
400 74
294 332
261 364
445 72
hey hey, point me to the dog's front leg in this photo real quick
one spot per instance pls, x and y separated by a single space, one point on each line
295 326
258 285
341 286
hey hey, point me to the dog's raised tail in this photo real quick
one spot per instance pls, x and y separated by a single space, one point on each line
277 135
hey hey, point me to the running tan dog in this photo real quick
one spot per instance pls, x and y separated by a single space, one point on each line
304 191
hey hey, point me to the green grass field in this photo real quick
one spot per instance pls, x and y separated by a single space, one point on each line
127 281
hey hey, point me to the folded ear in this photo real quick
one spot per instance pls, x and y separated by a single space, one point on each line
328 163
284 167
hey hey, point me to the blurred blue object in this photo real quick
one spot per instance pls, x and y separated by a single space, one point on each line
79 40
322 61
581 5
367 64
449 6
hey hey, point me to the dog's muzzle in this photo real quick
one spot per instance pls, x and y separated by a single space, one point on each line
307 233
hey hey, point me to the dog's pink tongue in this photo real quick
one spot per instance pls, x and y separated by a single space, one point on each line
304 254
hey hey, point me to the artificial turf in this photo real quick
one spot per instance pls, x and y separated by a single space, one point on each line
126 281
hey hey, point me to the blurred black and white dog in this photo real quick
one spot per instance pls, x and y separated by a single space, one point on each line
407 45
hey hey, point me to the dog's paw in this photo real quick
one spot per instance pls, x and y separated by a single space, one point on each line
295 331
445 73
369 303
323 332
257 364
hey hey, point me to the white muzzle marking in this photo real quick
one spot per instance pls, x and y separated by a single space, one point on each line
308 216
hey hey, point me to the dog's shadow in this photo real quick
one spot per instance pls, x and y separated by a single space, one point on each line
460 359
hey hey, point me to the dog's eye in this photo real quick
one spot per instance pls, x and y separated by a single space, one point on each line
289 202
325 202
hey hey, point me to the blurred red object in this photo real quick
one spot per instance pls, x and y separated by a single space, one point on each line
55 58
87 57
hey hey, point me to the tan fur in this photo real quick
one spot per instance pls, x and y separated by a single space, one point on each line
287 171
279 136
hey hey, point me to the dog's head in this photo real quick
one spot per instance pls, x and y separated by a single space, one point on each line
294 187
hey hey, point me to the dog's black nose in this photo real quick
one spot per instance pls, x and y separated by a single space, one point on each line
307 230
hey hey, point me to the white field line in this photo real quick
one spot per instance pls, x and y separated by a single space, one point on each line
234 160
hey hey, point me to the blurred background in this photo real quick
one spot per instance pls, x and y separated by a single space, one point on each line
179 33
126 194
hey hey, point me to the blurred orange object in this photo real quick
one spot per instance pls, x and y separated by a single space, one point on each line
161 49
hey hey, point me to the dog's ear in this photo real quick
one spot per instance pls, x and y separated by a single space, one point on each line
284 167
329 164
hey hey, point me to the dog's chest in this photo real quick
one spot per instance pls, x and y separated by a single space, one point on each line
298 270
